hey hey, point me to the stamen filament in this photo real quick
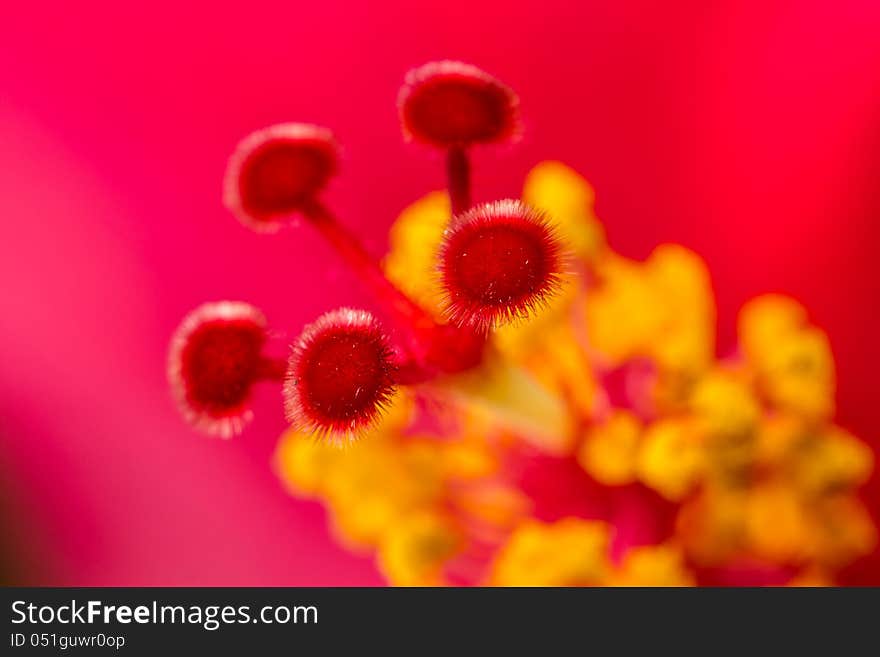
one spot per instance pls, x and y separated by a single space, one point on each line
367 268
458 175
431 347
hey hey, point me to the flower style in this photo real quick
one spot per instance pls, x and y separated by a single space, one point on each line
553 413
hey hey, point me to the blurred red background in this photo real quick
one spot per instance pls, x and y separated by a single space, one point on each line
747 131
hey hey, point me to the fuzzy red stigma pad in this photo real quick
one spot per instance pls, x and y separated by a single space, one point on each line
340 375
213 362
276 171
498 262
450 104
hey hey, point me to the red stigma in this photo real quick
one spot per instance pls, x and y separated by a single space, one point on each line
276 171
498 263
451 104
214 359
340 375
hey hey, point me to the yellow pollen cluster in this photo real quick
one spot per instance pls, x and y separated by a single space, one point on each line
619 377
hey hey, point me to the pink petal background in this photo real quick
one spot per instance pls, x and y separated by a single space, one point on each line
747 131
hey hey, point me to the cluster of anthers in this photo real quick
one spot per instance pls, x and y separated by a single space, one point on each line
599 442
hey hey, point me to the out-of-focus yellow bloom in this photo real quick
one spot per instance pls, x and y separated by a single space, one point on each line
552 352
767 319
468 459
711 526
661 310
671 459
302 463
369 485
622 312
724 406
727 415
832 461
414 241
799 375
567 198
681 282
778 526
779 439
413 551
378 483
653 565
570 552
574 552
792 360
496 506
745 447
610 449
845 530
772 522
